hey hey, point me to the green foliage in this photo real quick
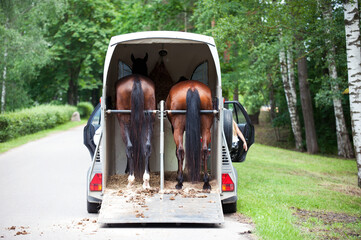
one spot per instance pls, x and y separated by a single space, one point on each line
85 109
5 146
250 31
56 48
78 42
138 15
27 121
23 49
240 33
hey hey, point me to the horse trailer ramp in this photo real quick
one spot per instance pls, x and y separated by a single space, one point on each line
154 207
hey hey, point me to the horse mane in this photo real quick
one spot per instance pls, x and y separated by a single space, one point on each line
162 80
181 79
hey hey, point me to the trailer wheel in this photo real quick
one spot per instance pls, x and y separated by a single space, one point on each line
93 207
227 127
230 207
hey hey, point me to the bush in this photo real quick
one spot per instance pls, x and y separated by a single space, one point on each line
85 109
31 120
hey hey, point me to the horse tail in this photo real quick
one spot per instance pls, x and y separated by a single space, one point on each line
193 128
136 125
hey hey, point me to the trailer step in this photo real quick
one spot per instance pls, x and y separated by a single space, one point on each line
202 208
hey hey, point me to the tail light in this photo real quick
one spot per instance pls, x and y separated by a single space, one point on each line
96 182
227 183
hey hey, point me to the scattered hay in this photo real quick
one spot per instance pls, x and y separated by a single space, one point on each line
138 197
22 230
120 182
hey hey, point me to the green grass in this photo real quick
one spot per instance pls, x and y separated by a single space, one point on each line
5 146
277 186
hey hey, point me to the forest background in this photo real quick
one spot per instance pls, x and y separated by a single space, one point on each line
287 55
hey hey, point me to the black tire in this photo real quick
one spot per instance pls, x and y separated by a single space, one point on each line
227 127
93 207
230 207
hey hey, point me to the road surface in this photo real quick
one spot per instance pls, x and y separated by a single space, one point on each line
43 192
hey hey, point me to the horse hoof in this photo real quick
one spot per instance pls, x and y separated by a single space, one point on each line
146 185
206 186
131 180
179 186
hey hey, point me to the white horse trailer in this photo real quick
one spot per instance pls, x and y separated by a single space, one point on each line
195 57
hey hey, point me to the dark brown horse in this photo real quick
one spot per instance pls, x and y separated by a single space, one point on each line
192 96
136 93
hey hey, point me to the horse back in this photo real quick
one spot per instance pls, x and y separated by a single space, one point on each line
176 99
124 87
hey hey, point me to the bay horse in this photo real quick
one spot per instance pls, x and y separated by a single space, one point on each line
136 92
192 96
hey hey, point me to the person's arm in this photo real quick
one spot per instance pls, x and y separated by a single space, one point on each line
240 135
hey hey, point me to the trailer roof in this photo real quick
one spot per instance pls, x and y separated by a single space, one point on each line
185 51
161 37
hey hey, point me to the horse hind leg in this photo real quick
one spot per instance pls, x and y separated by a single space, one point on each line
130 162
206 136
124 132
180 157
129 153
178 122
147 151
146 175
206 185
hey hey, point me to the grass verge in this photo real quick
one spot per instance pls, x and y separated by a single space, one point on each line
292 195
5 146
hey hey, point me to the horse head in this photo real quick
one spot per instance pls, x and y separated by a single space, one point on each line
140 65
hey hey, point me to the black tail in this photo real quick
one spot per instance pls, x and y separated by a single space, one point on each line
193 133
136 126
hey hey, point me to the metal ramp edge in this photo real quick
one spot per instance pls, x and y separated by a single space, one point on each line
202 208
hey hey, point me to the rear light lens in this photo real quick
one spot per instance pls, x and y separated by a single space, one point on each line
227 183
96 182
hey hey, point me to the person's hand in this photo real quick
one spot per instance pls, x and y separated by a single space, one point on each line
245 146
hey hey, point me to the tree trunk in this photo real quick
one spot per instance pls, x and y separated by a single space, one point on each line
3 89
344 146
73 83
71 93
306 103
3 85
95 96
272 101
291 97
185 19
353 52
235 94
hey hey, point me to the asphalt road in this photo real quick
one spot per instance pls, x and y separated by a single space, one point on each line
42 196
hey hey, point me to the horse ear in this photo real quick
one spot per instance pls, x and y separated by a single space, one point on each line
132 57
146 57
